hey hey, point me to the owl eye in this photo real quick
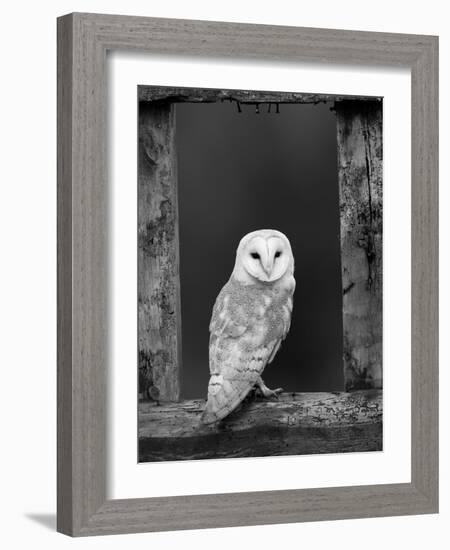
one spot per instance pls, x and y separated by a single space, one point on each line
277 254
255 255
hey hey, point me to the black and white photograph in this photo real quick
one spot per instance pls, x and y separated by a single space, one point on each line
259 273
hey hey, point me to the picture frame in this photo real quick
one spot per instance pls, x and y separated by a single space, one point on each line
83 40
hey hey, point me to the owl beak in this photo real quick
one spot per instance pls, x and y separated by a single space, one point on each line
268 266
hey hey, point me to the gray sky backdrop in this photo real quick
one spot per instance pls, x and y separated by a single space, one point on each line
239 172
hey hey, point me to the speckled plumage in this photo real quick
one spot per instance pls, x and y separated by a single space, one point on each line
249 321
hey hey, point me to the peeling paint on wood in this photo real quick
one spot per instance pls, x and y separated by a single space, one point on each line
159 320
360 172
297 423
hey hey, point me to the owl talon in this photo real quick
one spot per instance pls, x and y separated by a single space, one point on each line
274 393
263 390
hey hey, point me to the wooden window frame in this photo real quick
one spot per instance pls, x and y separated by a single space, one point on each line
311 422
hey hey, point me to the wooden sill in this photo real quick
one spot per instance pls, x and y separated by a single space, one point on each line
296 423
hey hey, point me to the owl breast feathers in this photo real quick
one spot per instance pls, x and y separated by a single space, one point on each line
248 323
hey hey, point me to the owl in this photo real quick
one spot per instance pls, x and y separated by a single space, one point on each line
250 318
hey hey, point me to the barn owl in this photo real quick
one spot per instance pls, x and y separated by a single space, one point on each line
250 318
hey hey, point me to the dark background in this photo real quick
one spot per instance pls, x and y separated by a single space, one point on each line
239 172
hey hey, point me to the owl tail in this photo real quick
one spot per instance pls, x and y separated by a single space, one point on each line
209 417
212 414
223 402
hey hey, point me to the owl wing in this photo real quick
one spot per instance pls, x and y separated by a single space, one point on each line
237 357
287 314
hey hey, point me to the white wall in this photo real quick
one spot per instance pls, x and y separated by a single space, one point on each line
28 300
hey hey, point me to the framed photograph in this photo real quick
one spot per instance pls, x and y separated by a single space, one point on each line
215 169
247 274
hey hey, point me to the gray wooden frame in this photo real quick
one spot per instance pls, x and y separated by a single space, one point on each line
83 40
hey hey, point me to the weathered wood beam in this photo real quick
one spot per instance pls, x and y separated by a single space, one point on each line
297 423
211 95
159 317
360 173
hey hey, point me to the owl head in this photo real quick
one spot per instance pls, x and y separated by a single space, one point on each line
265 255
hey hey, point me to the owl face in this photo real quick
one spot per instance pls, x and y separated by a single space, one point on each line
265 255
